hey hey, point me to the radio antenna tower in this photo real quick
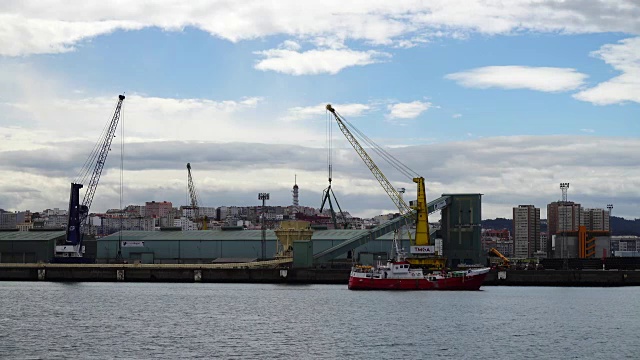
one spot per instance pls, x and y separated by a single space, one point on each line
295 192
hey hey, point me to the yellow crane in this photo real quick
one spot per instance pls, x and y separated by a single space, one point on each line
418 210
200 220
505 261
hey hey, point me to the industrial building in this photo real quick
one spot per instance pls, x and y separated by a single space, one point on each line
582 244
461 228
568 247
458 238
567 216
28 246
35 245
625 246
460 233
232 244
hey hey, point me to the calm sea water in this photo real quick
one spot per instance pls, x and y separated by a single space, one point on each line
43 320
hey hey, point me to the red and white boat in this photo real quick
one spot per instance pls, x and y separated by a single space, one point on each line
397 274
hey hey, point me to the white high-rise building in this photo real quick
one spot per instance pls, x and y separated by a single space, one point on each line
526 231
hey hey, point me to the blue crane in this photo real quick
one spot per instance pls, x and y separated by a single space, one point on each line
72 249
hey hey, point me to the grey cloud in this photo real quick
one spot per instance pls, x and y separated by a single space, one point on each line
508 170
604 14
66 158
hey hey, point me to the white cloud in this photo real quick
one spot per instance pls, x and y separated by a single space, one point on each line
49 26
546 79
588 130
456 116
20 35
625 58
317 111
290 45
151 117
329 42
31 119
313 62
408 110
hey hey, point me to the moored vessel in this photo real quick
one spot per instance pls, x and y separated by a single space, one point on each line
397 274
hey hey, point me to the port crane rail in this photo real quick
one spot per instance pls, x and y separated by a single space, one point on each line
72 247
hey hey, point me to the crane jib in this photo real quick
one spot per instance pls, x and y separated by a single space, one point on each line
78 212
421 216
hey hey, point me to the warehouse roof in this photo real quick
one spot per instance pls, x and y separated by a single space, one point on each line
193 235
209 235
31 235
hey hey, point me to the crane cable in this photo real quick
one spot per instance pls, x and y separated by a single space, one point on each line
121 166
384 154
329 139
89 164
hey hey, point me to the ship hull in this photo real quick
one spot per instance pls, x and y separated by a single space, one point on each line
452 283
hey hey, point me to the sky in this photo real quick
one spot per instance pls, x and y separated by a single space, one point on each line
503 98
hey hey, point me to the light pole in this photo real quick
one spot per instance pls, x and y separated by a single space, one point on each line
564 187
610 208
264 197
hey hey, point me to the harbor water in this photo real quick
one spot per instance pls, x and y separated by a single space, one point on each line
48 320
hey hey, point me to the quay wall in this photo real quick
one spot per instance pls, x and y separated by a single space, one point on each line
168 273
203 273
563 278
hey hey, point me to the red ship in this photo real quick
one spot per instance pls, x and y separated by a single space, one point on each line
397 274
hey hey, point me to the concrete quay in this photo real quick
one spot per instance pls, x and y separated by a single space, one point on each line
168 273
215 274
593 278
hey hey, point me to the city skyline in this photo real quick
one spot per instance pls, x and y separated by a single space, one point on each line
258 205
507 100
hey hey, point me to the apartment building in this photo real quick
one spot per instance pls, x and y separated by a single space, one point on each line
526 231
